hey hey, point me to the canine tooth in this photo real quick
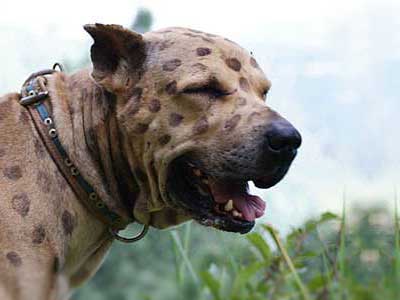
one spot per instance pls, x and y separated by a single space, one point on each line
235 213
229 205
197 172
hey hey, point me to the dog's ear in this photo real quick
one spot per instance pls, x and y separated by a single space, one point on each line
117 56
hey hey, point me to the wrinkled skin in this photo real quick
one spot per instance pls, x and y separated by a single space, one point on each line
167 127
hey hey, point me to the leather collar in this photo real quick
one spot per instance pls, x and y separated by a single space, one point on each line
33 97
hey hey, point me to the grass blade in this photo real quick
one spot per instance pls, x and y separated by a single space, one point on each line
177 241
342 249
212 283
261 245
302 288
397 247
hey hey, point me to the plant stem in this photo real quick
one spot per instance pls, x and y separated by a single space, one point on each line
282 249
178 243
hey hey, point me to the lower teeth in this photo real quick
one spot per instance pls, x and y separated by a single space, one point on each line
235 213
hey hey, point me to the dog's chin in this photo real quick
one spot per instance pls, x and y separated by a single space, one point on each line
220 203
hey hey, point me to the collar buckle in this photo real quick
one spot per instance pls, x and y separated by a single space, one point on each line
33 97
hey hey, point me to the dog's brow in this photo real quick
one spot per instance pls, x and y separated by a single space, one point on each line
209 80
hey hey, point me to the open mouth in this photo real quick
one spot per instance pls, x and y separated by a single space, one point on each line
216 202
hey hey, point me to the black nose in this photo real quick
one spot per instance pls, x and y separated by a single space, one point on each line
282 136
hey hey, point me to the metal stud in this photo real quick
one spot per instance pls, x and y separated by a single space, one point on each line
74 171
93 196
67 162
100 204
53 132
48 121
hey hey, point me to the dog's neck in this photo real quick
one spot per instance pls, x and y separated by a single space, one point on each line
87 113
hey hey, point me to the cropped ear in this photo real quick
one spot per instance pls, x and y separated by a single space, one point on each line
117 56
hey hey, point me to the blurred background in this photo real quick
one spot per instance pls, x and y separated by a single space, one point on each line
335 72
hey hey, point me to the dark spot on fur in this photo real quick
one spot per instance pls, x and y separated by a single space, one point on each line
233 63
140 175
14 259
203 51
232 122
2 152
141 128
165 44
164 139
154 105
67 222
171 87
244 84
241 101
254 63
175 119
171 65
201 126
40 151
38 234
13 173
20 203
43 181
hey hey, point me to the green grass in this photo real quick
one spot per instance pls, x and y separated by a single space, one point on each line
354 256
342 264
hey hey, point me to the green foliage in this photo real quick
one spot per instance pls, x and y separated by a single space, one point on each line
143 21
354 256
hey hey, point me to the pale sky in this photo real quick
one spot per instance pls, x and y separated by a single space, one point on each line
334 65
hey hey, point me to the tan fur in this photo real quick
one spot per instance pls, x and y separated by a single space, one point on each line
124 126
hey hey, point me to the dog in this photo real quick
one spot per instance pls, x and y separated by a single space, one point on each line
165 127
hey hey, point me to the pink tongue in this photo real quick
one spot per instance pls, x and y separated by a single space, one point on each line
250 206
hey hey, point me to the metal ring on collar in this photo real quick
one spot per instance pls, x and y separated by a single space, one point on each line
74 171
59 66
136 238
48 121
53 132
68 162
93 196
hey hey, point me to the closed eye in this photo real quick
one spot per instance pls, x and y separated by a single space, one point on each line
206 90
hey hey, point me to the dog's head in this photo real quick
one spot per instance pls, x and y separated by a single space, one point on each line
194 115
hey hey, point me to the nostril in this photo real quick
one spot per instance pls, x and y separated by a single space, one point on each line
282 137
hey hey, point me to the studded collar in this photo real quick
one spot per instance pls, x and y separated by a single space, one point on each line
33 97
